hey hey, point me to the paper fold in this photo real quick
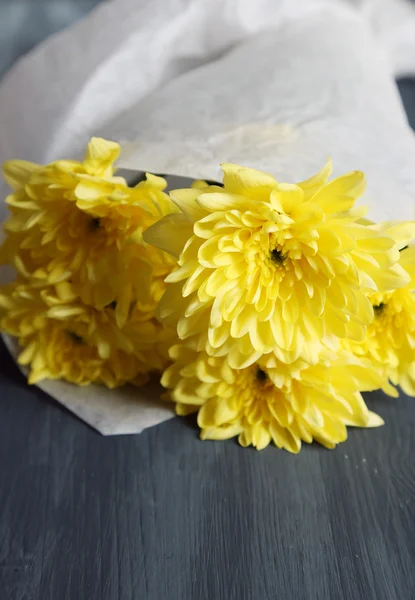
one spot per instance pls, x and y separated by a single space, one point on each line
83 77
283 104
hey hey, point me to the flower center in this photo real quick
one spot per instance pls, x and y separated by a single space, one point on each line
77 339
261 376
95 224
379 308
277 256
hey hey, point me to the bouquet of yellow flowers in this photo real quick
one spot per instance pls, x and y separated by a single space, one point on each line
83 306
265 307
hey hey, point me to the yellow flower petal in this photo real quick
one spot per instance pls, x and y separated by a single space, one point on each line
220 433
285 197
215 413
18 172
248 182
313 184
159 234
401 233
100 155
374 420
186 201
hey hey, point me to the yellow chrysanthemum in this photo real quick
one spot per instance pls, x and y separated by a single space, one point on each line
62 338
267 266
390 339
76 221
273 401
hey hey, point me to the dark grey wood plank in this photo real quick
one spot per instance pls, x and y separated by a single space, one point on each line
163 515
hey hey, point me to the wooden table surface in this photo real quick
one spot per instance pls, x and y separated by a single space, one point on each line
164 516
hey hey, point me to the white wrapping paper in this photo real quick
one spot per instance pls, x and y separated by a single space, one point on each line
85 76
274 85
282 102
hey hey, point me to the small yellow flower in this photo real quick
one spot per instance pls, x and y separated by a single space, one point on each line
273 267
76 221
272 401
390 339
62 338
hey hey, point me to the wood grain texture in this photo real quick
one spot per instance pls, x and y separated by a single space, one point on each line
162 515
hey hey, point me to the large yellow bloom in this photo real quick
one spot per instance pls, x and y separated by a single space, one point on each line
272 401
76 221
272 267
62 338
390 339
